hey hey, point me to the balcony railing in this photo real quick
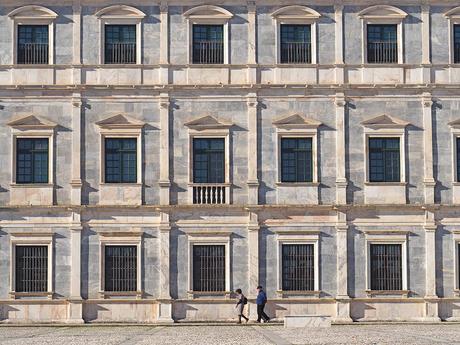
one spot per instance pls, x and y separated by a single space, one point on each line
382 52
457 52
296 52
120 53
33 53
208 194
208 52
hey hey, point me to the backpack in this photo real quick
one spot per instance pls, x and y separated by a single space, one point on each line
245 300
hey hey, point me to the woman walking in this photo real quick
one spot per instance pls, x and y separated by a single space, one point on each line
241 300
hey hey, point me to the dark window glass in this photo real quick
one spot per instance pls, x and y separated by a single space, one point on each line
298 267
296 160
458 159
120 44
32 44
295 43
384 160
120 160
208 160
31 268
382 43
32 160
209 268
208 44
457 43
120 268
386 267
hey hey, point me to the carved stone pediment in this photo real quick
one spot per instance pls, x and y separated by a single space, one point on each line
32 12
31 122
385 121
382 11
120 121
207 122
296 12
120 11
455 124
208 11
296 121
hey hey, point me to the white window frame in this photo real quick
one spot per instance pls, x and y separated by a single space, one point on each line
455 128
31 238
208 15
383 14
33 15
453 18
210 238
117 237
298 237
120 15
456 243
301 15
387 237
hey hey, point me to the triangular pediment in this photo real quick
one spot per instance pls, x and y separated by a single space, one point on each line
455 124
385 121
296 121
207 122
120 121
31 122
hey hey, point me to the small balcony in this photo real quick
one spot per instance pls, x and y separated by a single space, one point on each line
382 52
208 52
120 53
33 53
296 52
210 193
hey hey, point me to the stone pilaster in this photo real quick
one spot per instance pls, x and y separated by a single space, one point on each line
76 42
75 307
253 181
338 16
252 42
429 181
76 182
164 43
341 180
253 253
164 182
165 306
431 297
426 51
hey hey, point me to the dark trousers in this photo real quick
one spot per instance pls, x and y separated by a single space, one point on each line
261 314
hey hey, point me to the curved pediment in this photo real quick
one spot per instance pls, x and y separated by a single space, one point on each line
382 11
120 11
32 11
31 122
385 121
455 124
455 12
295 121
296 12
207 122
208 12
120 121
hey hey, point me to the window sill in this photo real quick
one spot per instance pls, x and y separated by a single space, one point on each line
291 64
385 183
31 185
114 184
16 295
208 65
109 294
297 184
310 294
198 294
388 293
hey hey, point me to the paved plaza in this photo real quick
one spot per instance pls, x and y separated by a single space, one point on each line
231 335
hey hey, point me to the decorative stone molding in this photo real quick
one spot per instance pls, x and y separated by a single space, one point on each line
385 122
383 12
120 12
32 123
208 12
296 122
208 123
121 122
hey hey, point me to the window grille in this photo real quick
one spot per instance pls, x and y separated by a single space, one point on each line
384 160
120 268
31 268
209 268
382 43
295 43
120 44
296 160
32 47
298 267
457 43
208 44
121 160
32 160
386 267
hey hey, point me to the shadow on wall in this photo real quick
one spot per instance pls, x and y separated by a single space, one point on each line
182 311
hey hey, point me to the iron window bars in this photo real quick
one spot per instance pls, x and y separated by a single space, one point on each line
295 43
31 268
120 44
32 45
386 267
120 267
208 44
209 268
382 43
298 267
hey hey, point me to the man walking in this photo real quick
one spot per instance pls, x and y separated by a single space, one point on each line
261 300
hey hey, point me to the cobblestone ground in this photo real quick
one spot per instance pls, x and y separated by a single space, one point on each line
231 335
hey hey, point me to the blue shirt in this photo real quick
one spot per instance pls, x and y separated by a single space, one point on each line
261 297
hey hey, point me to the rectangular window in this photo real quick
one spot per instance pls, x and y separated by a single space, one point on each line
382 43
208 160
120 160
458 159
208 44
209 268
384 160
32 160
33 45
296 160
120 268
298 267
386 267
120 44
457 43
31 268
295 43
